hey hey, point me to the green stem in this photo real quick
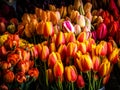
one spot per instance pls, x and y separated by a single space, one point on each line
72 86
46 76
60 87
93 82
99 84
34 39
80 88
89 78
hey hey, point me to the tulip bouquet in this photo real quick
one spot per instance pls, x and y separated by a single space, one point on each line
56 49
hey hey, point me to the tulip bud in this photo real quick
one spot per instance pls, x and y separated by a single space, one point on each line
77 29
48 29
77 4
20 77
44 53
71 49
82 36
53 58
70 37
8 76
70 73
106 79
96 63
82 47
101 31
81 21
58 70
87 7
50 75
52 47
114 56
60 39
68 27
80 81
40 28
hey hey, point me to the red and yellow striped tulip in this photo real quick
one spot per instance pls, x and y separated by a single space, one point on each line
82 36
70 73
70 37
82 47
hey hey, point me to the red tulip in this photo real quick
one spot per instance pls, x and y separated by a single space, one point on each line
3 51
20 77
5 65
106 79
80 81
70 37
82 37
101 31
96 63
70 73
33 72
50 75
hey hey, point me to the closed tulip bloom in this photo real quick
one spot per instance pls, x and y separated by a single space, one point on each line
82 36
68 27
81 21
114 56
96 63
70 73
101 48
5 65
60 38
106 79
104 68
48 29
44 53
82 47
77 29
58 70
80 81
52 47
53 58
70 37
3 51
84 63
71 49
50 75
20 77
33 72
8 76
40 28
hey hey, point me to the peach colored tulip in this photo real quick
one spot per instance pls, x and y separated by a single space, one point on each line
70 73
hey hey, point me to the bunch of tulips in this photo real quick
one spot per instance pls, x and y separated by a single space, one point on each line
67 48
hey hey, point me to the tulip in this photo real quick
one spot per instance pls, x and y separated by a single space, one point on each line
3 51
52 47
5 65
3 38
3 87
53 58
106 79
13 59
94 35
2 27
82 37
77 29
84 63
50 75
62 50
114 56
80 81
58 70
81 21
44 53
73 15
8 76
48 29
68 27
101 48
70 73
87 7
101 31
33 72
96 63
104 68
71 49
20 77
82 47
70 37
40 28
87 24
77 4
60 39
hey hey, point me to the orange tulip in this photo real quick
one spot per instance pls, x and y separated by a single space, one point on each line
106 79
8 76
71 49
40 28
84 63
5 65
58 70
82 47
62 50
33 72
20 77
104 68
70 37
114 56
52 47
60 39
82 36
3 51
44 53
53 58
101 48
70 73
96 63
48 29
50 75
80 81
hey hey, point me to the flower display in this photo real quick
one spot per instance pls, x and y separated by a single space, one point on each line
63 48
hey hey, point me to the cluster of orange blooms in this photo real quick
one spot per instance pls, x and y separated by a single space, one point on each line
68 53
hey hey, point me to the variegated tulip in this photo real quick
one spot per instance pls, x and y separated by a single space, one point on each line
44 53
70 73
84 63
48 29
104 68
70 37
58 71
71 49
60 38
114 56
101 48
81 21
82 47
82 36
80 81
53 58
68 27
